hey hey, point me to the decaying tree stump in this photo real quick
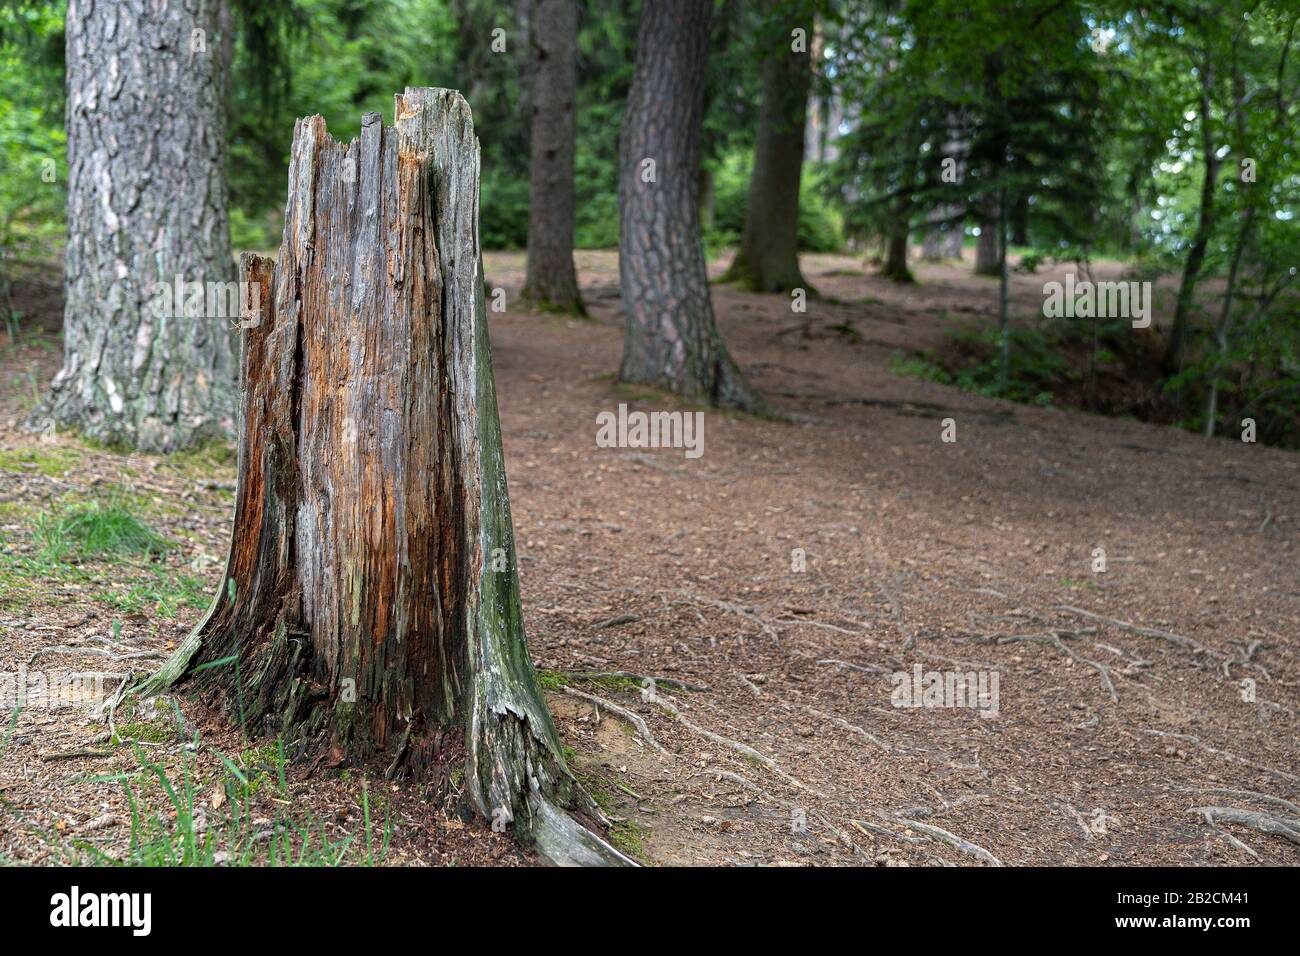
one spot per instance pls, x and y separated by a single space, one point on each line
370 606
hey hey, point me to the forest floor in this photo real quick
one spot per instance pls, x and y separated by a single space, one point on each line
1124 700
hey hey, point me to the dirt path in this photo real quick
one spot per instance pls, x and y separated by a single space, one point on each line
970 556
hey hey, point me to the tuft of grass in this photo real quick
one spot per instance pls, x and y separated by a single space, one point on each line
629 838
149 731
554 680
95 529
21 574
550 680
1072 584
163 595
51 462
206 459
175 820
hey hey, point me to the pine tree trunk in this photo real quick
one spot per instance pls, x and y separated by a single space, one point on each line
146 207
986 249
768 257
551 281
371 598
943 240
1019 220
896 251
671 339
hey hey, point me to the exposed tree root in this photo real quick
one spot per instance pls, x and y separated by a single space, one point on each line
1287 827
632 718
670 708
1251 794
1196 647
1247 659
739 610
1196 742
628 675
820 715
755 788
841 665
562 841
1056 642
97 652
938 833
896 611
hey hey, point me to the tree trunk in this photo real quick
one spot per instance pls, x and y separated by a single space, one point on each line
896 255
146 213
986 249
1004 316
1019 224
671 339
370 605
1172 362
768 257
707 199
551 281
943 240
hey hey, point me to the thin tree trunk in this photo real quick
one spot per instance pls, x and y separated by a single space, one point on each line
551 281
768 257
370 605
146 210
1004 317
1173 357
1020 220
671 339
1224 326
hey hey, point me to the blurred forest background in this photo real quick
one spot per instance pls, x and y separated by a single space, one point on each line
1158 135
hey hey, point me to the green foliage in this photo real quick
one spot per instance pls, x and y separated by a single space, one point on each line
50 462
1038 362
820 225
180 819
163 596
503 210
96 529
32 144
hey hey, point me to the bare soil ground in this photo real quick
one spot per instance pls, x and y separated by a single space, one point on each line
1126 698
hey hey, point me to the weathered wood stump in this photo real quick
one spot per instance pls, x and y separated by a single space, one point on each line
370 606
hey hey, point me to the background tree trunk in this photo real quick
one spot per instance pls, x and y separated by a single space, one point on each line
146 205
895 267
943 240
671 339
1172 361
371 596
987 262
768 257
551 281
